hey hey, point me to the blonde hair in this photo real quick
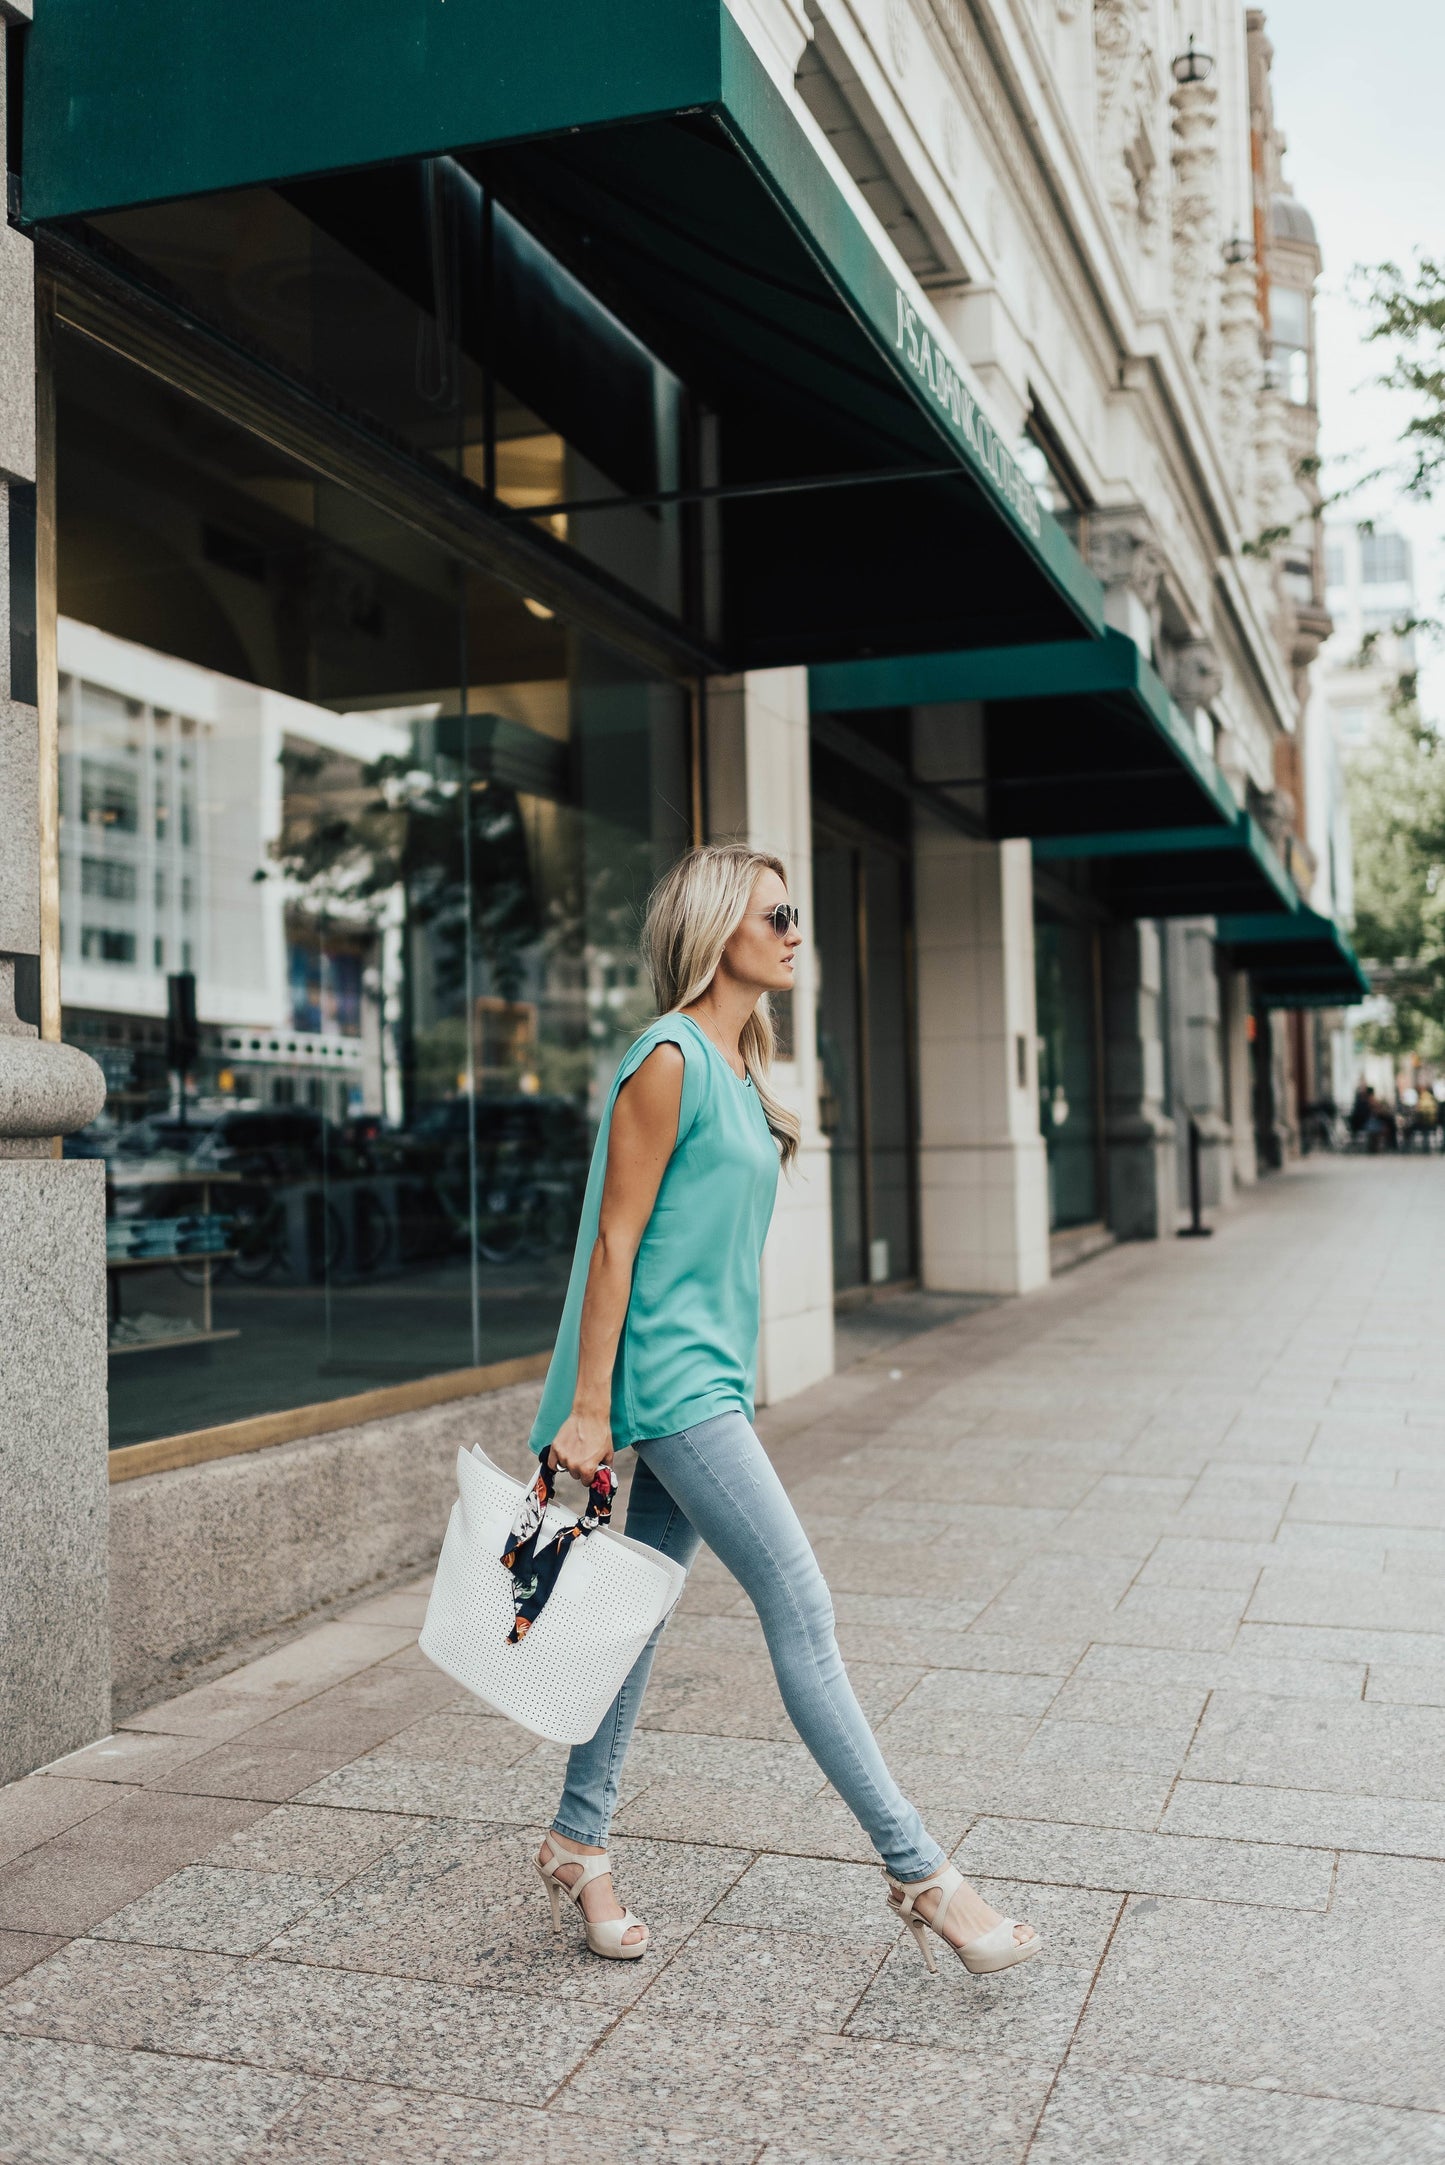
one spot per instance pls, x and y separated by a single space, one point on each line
693 912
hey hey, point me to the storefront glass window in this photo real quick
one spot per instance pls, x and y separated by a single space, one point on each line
861 903
429 308
400 827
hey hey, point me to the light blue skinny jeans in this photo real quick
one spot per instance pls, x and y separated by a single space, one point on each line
716 1483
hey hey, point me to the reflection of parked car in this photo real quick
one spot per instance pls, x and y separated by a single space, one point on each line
284 1142
275 1155
156 1135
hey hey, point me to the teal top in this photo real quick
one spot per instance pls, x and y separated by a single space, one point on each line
689 1345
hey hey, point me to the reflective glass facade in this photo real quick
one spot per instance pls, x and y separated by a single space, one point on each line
862 903
397 818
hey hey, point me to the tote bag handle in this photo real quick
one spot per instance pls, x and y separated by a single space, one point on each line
533 1557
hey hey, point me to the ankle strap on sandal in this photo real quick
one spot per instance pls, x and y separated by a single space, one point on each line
947 1879
592 1867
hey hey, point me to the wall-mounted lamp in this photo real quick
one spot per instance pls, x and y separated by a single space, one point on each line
1191 66
1237 249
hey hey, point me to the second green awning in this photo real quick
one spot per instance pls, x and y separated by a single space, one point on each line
1079 737
1182 871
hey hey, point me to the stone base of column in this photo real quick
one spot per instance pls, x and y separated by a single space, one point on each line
54 1620
985 1217
1143 1190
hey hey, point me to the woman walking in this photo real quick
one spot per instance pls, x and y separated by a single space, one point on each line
657 1350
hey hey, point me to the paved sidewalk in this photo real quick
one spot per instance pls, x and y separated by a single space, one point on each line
1141 1581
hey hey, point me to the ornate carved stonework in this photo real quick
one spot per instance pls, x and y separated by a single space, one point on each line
1195 676
1128 95
1275 809
1279 500
1195 222
1240 370
1123 552
952 134
900 35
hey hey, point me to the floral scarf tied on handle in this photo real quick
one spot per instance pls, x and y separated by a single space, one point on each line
534 1567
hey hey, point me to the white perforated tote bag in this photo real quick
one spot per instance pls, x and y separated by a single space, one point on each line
609 1598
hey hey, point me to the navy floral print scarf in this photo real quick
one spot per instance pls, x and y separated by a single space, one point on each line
535 1564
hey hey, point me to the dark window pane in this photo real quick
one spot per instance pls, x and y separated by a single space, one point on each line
403 828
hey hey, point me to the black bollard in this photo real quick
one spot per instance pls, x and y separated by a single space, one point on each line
1196 1228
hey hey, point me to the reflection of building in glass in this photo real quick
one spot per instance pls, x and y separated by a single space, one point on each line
401 824
173 799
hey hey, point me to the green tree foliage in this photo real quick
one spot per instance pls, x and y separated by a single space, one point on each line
1397 785
1397 813
1407 310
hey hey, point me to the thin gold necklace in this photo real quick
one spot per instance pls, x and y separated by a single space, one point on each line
723 1049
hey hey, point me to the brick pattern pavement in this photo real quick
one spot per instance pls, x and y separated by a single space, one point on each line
1140 1580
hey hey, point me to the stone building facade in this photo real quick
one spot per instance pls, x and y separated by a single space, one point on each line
878 429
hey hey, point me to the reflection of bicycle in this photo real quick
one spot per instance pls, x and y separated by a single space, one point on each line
530 1218
261 1233
1323 1127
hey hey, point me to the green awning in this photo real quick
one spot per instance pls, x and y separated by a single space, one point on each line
1303 960
652 152
1079 737
1182 871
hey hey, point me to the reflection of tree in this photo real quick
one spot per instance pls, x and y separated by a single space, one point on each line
552 914
352 840
357 839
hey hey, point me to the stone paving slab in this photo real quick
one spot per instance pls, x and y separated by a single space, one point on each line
706 2074
1358 1747
217 1911
60 2103
1139 1582
69 1884
1392 1825
1308 2025
20 1951
1119 2119
340 2123
32 1811
1156 1864
106 1992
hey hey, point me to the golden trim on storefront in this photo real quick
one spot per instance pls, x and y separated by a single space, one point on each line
166 1454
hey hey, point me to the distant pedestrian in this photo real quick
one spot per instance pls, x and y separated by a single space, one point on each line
657 1349
1360 1113
1424 1117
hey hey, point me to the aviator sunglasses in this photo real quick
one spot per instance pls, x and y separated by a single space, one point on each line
782 917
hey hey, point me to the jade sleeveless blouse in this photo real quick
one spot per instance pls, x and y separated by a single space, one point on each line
689 1345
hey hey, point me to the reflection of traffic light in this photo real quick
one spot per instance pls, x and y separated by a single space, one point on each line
183 1037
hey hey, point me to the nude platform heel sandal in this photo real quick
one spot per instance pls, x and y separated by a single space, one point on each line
604 1938
996 1949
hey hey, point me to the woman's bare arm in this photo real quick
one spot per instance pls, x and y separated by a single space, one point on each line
639 1144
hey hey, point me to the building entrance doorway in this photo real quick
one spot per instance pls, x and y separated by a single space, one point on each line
1067 991
864 934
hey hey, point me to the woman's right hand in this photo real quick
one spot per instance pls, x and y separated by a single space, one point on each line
581 1445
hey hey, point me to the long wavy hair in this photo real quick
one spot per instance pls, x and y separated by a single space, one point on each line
693 912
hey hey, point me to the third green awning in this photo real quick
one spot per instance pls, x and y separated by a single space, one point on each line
1302 960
